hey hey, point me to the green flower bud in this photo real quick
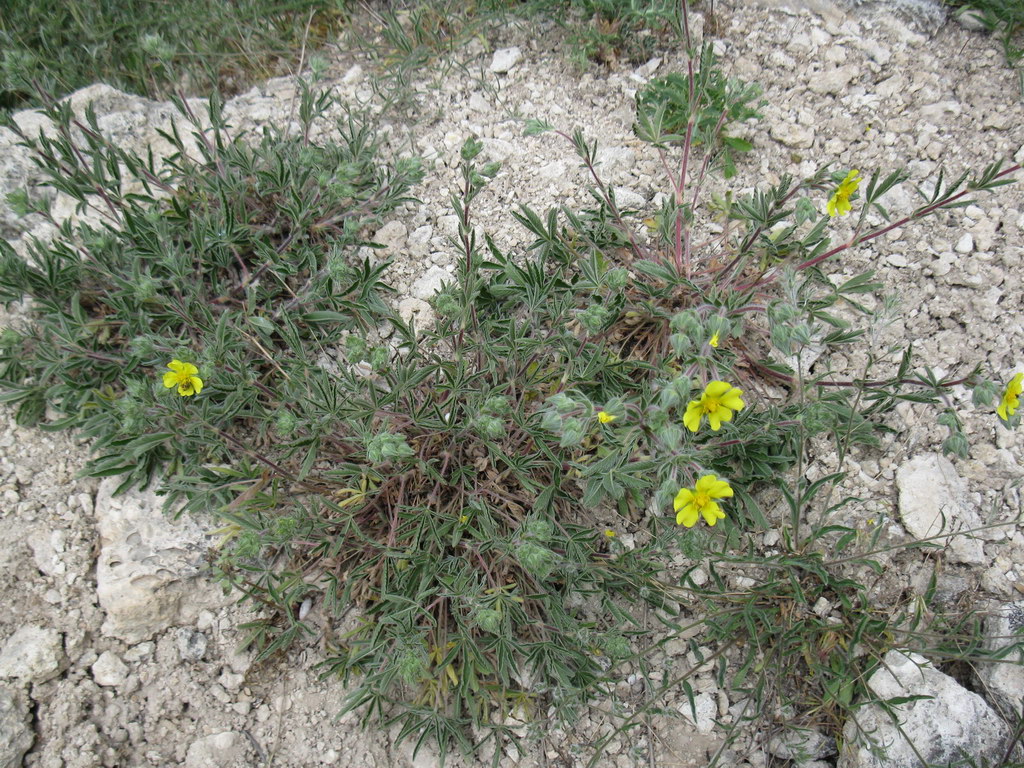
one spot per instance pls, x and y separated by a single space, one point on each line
285 422
387 447
956 444
687 323
132 414
145 289
616 279
562 403
594 318
284 527
9 338
802 334
681 344
551 421
355 348
670 435
983 394
247 545
489 620
496 404
782 339
336 267
446 305
410 666
616 646
537 560
379 358
573 433
538 528
489 427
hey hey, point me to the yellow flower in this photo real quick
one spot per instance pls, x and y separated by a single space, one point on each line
183 376
609 533
692 503
1011 397
604 417
839 203
717 402
463 519
714 341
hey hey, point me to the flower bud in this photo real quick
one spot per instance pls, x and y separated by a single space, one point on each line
537 560
489 620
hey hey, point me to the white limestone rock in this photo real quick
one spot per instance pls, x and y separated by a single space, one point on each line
430 283
1004 679
792 135
505 59
942 727
707 710
933 500
16 736
109 671
833 81
392 236
33 654
219 750
150 570
627 199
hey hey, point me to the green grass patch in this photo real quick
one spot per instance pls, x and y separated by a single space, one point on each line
54 47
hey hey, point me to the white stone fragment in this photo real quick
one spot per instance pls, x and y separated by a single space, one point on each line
504 59
33 654
833 81
965 244
947 723
706 705
150 570
109 671
792 135
628 199
218 750
933 500
430 283
16 736
1004 679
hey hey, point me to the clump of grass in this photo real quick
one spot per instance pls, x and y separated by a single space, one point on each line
54 47
457 500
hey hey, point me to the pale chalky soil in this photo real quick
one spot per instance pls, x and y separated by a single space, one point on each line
859 92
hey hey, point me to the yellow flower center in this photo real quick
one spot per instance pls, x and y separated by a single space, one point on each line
701 500
711 406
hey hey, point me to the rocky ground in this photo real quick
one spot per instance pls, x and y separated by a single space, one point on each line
116 651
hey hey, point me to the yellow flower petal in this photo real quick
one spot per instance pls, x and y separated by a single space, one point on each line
717 389
684 497
687 516
691 419
712 513
732 399
1010 400
714 341
604 417
720 490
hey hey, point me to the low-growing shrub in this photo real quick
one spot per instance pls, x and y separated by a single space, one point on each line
487 509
